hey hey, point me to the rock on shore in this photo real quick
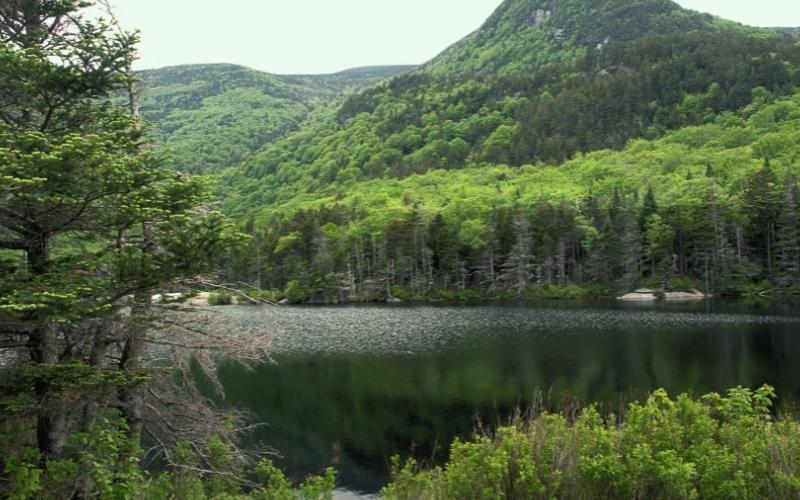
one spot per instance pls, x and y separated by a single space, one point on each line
678 296
646 294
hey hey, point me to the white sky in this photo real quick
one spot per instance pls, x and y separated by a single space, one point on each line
325 36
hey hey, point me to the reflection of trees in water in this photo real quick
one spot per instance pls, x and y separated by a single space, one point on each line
377 407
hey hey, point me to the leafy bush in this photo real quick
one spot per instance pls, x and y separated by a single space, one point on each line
566 292
401 292
682 284
220 299
296 292
104 463
752 288
715 447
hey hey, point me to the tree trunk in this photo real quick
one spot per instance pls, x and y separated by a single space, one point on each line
134 350
51 424
97 359
133 353
132 362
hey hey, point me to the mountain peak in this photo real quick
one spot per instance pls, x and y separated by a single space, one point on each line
522 35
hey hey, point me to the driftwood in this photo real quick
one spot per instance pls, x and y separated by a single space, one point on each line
237 292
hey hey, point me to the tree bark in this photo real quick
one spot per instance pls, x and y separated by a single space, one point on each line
51 424
132 361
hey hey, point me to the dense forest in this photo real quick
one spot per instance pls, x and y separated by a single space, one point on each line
212 117
716 204
418 122
662 157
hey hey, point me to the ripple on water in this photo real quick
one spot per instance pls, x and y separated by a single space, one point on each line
376 330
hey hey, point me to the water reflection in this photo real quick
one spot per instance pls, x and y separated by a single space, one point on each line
364 383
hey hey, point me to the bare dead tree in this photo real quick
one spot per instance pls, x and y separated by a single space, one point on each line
234 288
175 410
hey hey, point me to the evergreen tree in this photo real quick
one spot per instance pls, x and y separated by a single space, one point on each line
518 266
649 207
444 245
762 200
787 246
77 189
720 265
648 210
619 243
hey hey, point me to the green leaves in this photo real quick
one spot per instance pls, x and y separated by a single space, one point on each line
710 225
664 448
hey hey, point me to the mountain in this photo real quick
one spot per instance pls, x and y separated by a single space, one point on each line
657 68
567 147
788 31
524 35
214 116
348 80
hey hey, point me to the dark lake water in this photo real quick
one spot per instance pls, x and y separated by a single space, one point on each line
355 385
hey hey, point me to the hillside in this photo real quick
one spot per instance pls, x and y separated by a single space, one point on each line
705 206
525 35
346 81
789 31
589 99
214 116
368 197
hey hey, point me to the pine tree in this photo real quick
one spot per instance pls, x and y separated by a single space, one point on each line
649 208
761 200
444 245
620 243
518 266
720 263
787 246
77 180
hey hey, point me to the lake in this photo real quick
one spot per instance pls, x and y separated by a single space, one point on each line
354 385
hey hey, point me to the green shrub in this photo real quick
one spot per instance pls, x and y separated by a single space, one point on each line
104 463
220 299
401 292
682 284
296 293
751 288
568 292
716 447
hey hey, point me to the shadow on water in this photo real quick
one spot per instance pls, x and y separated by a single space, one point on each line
355 385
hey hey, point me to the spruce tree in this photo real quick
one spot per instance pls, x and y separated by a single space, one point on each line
78 185
517 270
787 246
762 201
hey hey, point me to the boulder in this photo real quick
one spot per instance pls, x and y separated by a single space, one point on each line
167 297
283 302
393 300
645 290
676 296
199 300
635 296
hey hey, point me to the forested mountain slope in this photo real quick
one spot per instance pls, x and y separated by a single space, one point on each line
476 172
348 80
523 36
789 31
215 116
592 96
713 206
